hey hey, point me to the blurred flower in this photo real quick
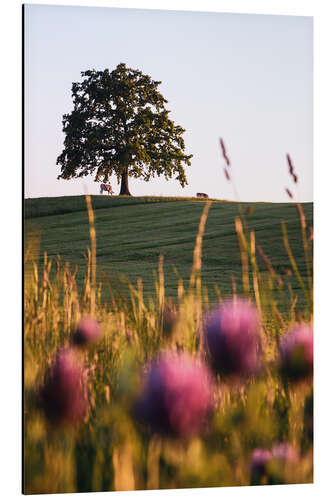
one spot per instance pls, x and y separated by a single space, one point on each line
177 396
279 468
232 337
259 461
285 453
270 466
296 352
64 394
87 331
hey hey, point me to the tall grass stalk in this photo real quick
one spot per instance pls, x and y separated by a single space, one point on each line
197 253
255 271
92 232
306 248
244 251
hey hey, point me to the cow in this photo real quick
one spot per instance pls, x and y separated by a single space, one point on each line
107 188
202 195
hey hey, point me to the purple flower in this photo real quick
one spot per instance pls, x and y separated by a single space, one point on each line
272 464
64 394
296 352
259 461
285 452
232 334
87 331
177 396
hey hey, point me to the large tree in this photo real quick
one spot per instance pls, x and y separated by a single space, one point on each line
119 125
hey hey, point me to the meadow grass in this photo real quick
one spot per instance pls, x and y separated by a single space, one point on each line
110 450
133 232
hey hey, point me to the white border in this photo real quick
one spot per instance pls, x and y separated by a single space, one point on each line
10 261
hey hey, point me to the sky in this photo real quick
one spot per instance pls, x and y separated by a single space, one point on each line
246 78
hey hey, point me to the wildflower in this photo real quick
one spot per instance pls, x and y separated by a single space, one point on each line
259 460
271 466
177 396
87 331
284 452
296 352
232 337
64 394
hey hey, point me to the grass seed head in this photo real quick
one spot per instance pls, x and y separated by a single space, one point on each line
289 193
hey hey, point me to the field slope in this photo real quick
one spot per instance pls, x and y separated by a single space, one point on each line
133 232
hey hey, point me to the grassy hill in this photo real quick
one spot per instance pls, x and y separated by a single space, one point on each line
133 232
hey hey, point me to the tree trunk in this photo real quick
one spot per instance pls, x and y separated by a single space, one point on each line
124 184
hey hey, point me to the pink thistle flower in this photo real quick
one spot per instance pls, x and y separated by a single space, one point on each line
177 396
285 452
232 334
259 460
64 394
87 331
296 352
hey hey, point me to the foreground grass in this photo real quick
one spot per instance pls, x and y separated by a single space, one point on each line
133 232
109 451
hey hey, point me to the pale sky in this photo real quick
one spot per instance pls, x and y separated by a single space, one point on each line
246 78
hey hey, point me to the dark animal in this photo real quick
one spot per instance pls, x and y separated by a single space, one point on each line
107 188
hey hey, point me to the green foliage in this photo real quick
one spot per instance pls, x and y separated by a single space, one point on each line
119 125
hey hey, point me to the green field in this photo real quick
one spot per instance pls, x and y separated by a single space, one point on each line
133 232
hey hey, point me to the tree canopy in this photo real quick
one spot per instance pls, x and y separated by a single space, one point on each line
119 125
